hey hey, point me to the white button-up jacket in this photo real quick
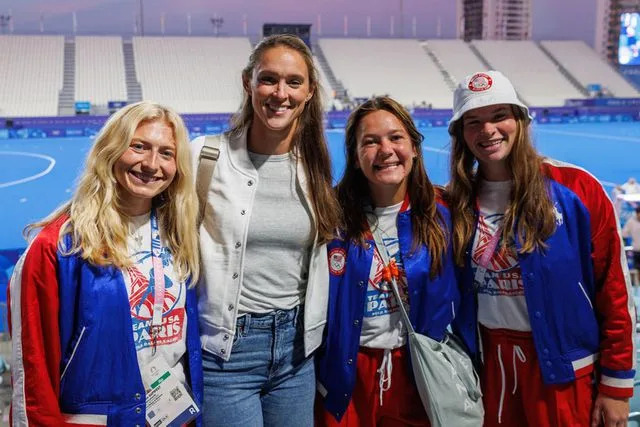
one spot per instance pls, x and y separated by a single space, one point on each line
223 236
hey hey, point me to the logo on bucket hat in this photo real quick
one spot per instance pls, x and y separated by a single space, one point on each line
481 89
480 82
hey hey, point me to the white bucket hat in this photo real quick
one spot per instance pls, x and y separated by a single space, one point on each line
482 89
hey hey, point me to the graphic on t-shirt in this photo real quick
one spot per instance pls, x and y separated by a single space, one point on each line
141 300
380 299
503 276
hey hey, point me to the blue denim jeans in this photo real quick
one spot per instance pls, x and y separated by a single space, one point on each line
267 381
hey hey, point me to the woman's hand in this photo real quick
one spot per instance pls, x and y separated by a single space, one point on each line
610 411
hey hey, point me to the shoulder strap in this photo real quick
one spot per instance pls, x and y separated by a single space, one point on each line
382 251
206 164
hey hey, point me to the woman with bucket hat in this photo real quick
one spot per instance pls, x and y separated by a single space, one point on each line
543 256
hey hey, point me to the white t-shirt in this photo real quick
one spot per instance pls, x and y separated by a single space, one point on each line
279 240
382 325
501 301
171 342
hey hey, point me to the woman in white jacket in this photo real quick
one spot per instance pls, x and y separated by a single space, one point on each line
270 209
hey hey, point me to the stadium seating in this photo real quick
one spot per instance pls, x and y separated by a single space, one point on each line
398 67
192 74
99 70
327 90
588 68
202 74
456 57
30 75
535 77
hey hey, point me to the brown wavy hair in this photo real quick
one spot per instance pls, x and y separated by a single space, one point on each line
353 189
308 142
530 211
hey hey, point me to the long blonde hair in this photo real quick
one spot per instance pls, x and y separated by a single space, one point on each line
96 221
530 208
309 139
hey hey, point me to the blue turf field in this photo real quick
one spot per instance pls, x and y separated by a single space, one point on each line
39 174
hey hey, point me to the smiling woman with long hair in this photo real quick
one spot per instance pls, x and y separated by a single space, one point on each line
83 296
541 250
269 212
363 372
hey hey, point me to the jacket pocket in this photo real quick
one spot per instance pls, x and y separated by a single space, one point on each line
73 353
585 294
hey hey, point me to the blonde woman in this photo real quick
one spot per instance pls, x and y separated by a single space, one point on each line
102 295
542 250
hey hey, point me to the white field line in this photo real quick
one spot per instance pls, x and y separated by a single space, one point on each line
435 150
587 135
52 163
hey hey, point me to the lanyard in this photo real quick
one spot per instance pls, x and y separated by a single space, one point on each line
382 250
158 276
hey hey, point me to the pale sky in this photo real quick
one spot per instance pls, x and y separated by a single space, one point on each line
552 19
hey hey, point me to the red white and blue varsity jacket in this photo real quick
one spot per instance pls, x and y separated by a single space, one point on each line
433 305
577 290
74 358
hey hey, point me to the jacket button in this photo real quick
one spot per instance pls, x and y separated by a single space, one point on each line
361 283
538 315
243 212
349 362
250 182
138 410
235 275
548 363
230 307
138 396
545 351
223 351
225 337
356 322
552 377
367 245
346 395
238 244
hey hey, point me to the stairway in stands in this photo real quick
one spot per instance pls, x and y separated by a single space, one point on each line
66 101
445 74
134 90
336 85
564 71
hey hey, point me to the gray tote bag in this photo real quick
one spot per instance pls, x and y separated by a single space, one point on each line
444 375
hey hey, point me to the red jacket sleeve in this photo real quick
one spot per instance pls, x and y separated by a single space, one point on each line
614 304
35 331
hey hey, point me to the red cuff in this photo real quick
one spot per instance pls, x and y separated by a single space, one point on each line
617 392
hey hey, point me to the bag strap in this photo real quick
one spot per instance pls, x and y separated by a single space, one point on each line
206 164
382 250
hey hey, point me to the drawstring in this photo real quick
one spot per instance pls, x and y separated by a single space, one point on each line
502 385
385 373
517 351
